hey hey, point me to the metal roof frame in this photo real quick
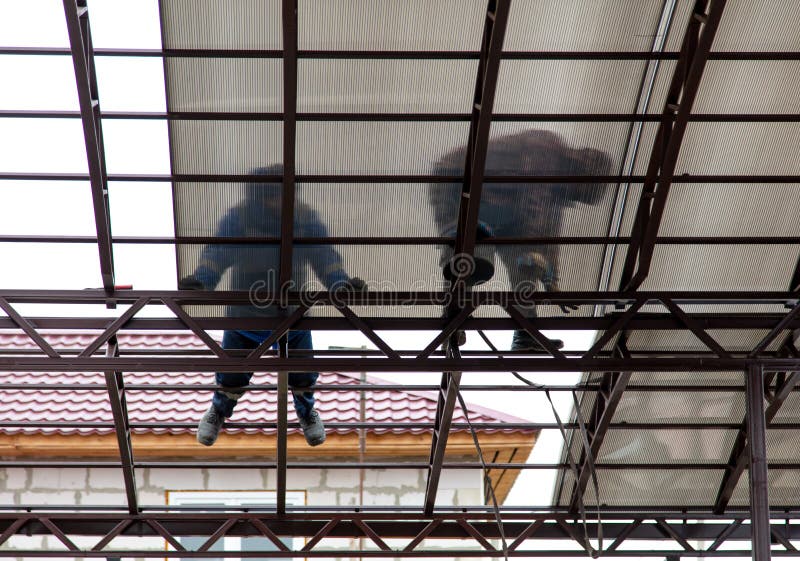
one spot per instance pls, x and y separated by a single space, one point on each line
768 374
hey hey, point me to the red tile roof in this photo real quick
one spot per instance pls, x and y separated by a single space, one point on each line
72 405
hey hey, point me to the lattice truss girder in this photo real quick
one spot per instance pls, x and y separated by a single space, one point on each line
771 360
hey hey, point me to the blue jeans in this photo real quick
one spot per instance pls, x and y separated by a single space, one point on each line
234 382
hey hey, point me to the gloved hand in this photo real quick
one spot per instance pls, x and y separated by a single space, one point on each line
190 282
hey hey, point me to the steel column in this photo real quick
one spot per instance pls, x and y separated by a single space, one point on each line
80 39
759 483
119 410
283 423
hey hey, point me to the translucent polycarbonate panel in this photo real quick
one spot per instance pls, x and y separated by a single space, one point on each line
667 446
38 208
136 146
200 209
782 488
651 487
375 147
749 86
42 146
522 268
399 268
604 25
404 25
130 83
380 209
772 25
718 267
790 410
740 148
782 445
675 406
233 147
732 340
43 83
390 86
568 86
225 84
561 148
733 378
208 24
731 209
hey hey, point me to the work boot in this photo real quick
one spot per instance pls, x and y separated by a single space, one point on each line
313 429
208 429
524 341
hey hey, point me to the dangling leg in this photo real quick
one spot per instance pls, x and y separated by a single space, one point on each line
231 388
301 384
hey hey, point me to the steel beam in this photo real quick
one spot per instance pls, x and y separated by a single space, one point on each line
759 484
605 406
80 39
281 451
445 406
119 410
683 89
739 457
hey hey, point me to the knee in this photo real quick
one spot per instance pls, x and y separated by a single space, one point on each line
302 379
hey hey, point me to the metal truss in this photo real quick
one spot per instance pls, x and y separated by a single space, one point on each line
472 534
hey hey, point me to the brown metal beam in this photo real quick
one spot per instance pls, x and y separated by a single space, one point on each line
80 39
289 15
683 89
119 410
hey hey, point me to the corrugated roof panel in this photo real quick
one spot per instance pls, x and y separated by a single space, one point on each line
392 86
225 84
733 340
381 209
783 489
733 378
783 445
375 147
675 406
738 210
568 86
654 487
233 147
749 86
209 24
607 138
408 25
718 267
770 25
666 446
605 25
740 149
402 268
790 410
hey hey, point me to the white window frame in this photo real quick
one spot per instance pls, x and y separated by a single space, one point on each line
253 499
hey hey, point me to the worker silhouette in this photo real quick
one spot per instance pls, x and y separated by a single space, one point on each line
519 210
255 267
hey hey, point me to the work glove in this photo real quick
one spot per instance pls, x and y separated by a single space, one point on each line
190 282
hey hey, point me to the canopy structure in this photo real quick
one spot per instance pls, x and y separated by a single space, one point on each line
634 160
